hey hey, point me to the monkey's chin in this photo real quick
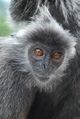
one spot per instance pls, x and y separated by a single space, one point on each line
42 78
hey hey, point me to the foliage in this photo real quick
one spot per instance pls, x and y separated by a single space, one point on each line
4 27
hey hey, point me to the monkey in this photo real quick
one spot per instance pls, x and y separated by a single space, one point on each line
39 71
66 12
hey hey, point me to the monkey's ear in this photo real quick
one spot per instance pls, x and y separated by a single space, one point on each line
22 10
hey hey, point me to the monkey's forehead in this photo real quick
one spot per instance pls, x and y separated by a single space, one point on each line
48 37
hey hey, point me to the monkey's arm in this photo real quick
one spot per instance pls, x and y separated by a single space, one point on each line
66 12
71 109
15 94
22 10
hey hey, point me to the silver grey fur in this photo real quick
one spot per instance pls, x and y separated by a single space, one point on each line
19 86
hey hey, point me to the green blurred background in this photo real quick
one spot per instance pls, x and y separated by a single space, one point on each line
5 28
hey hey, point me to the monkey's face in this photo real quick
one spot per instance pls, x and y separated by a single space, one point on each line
48 54
45 58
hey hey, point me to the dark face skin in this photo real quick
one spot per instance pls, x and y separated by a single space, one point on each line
45 60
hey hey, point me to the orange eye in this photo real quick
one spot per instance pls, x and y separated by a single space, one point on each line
38 52
56 55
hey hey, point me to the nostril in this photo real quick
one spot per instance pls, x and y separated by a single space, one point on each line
44 66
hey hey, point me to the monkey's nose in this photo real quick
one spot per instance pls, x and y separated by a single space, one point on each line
46 63
45 66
